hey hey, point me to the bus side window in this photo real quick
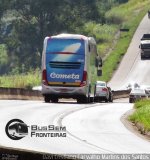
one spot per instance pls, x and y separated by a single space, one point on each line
100 62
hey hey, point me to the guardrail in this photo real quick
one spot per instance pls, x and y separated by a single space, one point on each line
26 94
121 94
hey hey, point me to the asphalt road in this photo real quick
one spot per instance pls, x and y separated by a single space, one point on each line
132 69
91 128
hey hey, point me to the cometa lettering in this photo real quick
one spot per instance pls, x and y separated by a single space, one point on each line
65 76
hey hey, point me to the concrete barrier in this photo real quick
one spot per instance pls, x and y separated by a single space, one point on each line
26 94
121 94
20 94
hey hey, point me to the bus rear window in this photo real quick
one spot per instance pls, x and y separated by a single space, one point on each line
65 46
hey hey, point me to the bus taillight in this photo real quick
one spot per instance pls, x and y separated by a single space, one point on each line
44 78
83 82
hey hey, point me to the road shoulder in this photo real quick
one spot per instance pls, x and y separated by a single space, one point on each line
134 128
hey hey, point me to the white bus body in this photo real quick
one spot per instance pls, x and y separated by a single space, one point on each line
66 67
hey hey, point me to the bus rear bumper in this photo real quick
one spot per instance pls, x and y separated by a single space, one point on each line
64 92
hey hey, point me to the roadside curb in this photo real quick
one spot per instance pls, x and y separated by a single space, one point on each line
135 128
141 129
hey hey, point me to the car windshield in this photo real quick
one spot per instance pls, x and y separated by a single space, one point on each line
101 85
146 36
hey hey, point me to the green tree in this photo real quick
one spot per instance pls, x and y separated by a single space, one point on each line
3 58
32 20
37 19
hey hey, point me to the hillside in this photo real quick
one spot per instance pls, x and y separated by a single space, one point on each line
23 30
24 25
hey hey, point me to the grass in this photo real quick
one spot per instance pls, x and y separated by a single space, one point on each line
104 35
32 78
111 63
142 114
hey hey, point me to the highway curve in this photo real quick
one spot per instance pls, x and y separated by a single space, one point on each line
91 128
42 114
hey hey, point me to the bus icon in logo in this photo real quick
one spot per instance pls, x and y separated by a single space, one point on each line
16 129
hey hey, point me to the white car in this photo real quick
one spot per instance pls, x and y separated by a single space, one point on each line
147 90
137 94
102 92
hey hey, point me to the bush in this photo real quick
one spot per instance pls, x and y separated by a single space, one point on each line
142 114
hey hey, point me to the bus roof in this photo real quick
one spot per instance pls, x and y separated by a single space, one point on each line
73 36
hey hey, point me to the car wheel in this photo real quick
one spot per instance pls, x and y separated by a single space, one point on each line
111 99
130 101
106 100
142 57
95 99
91 99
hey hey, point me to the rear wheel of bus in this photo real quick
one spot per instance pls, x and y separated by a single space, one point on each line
46 99
49 99
54 100
83 99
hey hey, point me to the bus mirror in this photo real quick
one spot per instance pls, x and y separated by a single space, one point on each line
99 72
139 46
100 62
96 62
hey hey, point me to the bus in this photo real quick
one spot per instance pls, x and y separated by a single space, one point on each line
18 130
69 61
